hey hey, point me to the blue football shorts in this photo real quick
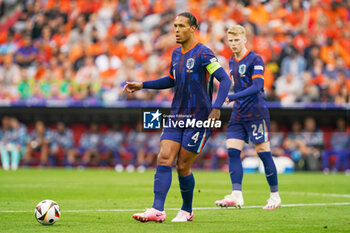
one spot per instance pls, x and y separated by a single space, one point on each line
192 139
256 130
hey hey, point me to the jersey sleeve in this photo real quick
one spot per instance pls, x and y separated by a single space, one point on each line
209 61
258 68
171 71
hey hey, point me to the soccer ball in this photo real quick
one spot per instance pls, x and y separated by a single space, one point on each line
47 212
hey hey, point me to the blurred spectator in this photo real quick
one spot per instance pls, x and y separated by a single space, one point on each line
146 156
317 74
86 82
339 146
330 51
136 145
310 92
39 24
294 144
25 86
39 141
276 140
90 145
340 89
26 54
313 139
45 45
61 38
94 24
10 76
296 16
66 85
312 52
293 64
235 11
216 147
62 142
272 95
5 139
88 73
288 88
258 13
287 48
333 71
15 145
325 95
9 46
113 145
77 34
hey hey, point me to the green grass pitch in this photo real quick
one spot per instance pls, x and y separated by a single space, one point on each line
104 201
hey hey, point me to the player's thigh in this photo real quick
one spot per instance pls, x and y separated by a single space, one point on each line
258 131
170 143
232 143
185 161
236 135
168 151
194 139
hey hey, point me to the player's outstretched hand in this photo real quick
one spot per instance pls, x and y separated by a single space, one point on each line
132 86
215 114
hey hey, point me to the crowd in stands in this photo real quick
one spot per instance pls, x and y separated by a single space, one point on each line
87 49
304 146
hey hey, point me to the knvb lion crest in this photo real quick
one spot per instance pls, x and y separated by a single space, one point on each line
241 69
190 63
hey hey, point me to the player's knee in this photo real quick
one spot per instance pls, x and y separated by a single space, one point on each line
183 169
164 158
260 150
262 147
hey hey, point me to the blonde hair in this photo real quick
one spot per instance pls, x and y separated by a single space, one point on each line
236 30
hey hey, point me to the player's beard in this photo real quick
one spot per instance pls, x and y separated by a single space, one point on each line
179 40
182 40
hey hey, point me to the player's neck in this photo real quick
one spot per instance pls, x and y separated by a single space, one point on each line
241 54
186 46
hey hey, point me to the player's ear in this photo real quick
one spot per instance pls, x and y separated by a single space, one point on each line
193 28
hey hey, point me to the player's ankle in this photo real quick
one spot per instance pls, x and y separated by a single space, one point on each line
274 194
236 192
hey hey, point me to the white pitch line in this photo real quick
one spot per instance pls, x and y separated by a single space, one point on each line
198 208
319 194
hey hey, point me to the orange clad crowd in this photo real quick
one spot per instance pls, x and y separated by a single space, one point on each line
87 49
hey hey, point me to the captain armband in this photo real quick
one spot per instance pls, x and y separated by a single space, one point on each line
212 67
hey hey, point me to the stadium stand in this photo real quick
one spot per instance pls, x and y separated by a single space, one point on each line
85 50
70 49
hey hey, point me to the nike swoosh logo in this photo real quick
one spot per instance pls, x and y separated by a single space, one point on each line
158 215
256 138
269 175
190 145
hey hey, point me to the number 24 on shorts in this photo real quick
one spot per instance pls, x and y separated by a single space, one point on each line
258 131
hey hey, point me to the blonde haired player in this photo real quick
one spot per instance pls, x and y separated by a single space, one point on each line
249 120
